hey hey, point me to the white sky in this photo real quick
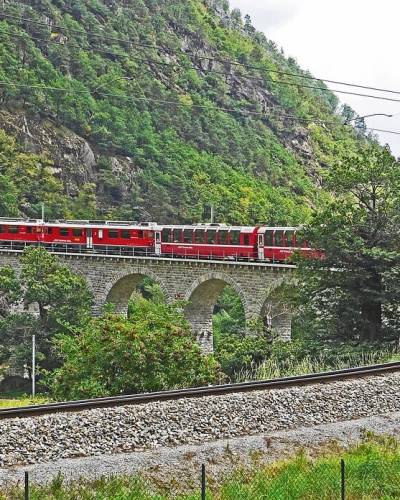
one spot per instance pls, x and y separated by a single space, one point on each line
355 41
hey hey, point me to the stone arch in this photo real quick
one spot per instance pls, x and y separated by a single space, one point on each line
202 296
120 290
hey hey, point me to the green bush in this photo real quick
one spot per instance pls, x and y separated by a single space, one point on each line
151 350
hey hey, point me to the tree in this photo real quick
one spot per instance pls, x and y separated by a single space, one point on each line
350 290
151 350
45 297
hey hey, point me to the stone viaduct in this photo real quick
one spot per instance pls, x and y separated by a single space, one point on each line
114 278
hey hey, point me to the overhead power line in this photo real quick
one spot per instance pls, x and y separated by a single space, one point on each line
213 107
223 61
228 62
165 64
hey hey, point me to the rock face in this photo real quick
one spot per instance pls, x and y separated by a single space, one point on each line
187 421
74 160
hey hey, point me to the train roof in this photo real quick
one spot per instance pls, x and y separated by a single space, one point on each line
140 225
210 227
278 228
80 223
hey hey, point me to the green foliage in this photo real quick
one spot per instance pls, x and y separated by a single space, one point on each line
51 296
184 151
152 350
348 292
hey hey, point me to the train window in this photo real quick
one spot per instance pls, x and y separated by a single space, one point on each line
64 231
290 238
199 236
49 230
235 237
246 239
177 235
125 233
113 233
223 237
269 242
279 238
211 236
165 235
13 229
77 231
28 229
188 235
2 229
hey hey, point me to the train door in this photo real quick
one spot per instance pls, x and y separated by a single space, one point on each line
89 238
260 246
157 243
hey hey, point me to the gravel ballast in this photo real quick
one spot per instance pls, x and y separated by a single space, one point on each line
179 468
189 421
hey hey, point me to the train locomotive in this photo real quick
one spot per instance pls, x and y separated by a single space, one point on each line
200 241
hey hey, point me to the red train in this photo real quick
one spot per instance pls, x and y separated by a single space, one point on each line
202 241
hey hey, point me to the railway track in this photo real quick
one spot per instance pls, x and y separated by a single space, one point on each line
280 383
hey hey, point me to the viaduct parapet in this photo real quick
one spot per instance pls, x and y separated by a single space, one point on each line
113 279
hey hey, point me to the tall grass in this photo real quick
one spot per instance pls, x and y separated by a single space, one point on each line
275 367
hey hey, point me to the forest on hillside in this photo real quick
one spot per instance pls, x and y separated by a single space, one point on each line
142 109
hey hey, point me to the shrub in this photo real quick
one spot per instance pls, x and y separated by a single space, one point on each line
151 350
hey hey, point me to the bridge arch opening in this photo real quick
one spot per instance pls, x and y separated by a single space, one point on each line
214 301
139 283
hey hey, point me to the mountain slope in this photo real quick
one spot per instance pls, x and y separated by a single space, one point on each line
156 110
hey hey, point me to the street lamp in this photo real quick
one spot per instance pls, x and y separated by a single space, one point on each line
358 118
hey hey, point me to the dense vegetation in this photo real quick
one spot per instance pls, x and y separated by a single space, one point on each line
152 350
53 299
172 85
353 292
372 471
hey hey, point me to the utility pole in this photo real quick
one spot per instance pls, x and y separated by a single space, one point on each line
212 214
43 212
33 365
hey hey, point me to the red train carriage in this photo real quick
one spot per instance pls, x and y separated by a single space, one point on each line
277 244
204 241
105 237
211 241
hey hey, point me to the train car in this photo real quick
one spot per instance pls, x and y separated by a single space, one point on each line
210 241
17 232
202 241
278 244
114 237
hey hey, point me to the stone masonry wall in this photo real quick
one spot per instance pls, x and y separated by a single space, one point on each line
113 279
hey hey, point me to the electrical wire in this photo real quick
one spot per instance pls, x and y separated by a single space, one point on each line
273 82
177 103
180 104
224 61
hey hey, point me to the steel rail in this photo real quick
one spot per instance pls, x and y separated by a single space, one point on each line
136 399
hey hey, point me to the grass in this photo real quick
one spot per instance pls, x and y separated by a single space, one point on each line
13 400
372 472
277 368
